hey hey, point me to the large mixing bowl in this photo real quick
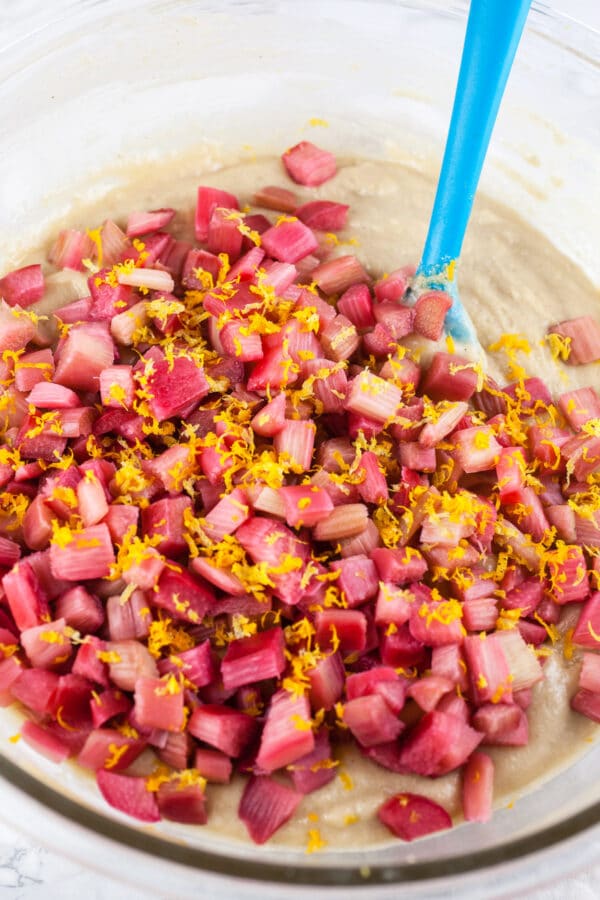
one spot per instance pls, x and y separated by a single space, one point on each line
98 85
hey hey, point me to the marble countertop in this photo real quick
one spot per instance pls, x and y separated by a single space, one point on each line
31 872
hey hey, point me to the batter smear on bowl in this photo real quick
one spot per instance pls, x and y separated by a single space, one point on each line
270 544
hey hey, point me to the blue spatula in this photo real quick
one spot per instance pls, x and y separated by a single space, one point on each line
494 29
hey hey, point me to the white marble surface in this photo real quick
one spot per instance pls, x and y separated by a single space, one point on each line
28 871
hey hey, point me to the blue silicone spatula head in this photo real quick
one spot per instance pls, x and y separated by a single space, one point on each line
494 29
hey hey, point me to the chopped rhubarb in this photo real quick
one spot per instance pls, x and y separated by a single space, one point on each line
129 795
23 286
308 164
265 806
583 339
411 816
478 786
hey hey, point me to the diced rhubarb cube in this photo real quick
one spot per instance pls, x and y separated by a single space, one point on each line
213 765
253 658
480 614
309 165
32 368
22 287
587 629
436 623
411 816
373 488
397 319
568 575
236 341
587 703
196 664
337 275
71 248
324 215
27 600
371 721
346 628
34 688
339 339
489 669
181 802
224 235
373 397
583 335
399 565
227 515
579 406
438 744
108 704
274 371
316 769
496 719
88 350
47 645
271 542
278 198
269 420
139 223
165 518
182 595
326 681
413 455
450 377
287 734
589 675
393 605
174 386
523 664
289 241
357 579
129 795
129 619
209 199
226 729
15 330
159 703
265 806
476 448
10 673
356 304
305 505
428 691
44 742
430 314
88 554
478 788
393 286
128 661
80 609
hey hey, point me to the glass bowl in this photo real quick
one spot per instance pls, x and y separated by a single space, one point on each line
93 88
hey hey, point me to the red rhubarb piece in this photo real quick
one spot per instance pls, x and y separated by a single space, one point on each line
265 806
253 658
439 744
478 788
308 164
129 795
22 287
430 314
583 335
411 816
324 215
209 199
287 734
226 729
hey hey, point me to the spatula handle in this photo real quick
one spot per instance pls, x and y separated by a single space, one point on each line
494 29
